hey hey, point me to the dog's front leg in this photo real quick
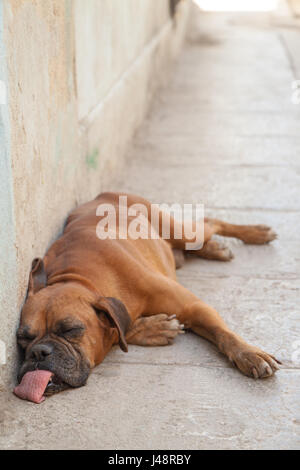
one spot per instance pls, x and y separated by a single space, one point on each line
250 360
205 321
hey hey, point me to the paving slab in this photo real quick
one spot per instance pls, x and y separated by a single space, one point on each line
221 186
128 406
231 150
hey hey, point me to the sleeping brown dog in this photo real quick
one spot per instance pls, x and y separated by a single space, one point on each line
88 294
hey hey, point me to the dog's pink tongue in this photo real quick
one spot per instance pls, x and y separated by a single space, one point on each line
33 386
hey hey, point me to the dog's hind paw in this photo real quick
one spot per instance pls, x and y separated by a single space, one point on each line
258 234
215 250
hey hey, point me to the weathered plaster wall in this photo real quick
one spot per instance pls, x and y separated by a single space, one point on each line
8 271
107 49
43 121
81 76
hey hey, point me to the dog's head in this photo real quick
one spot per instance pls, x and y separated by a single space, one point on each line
67 329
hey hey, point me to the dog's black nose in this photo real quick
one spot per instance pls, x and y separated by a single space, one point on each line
40 351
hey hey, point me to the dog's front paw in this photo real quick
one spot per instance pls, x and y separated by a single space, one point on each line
165 329
154 330
254 362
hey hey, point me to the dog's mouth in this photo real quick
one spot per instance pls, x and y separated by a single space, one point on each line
55 385
37 384
52 374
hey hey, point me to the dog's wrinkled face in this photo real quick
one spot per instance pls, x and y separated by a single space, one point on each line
55 336
64 330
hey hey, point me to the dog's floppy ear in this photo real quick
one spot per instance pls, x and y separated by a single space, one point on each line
37 277
118 316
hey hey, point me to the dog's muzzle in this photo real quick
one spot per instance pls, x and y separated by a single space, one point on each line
51 367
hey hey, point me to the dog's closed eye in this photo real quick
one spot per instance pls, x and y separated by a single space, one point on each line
75 332
69 329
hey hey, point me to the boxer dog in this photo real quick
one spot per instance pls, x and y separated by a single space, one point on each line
88 294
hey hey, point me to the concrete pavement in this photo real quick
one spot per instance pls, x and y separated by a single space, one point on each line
224 132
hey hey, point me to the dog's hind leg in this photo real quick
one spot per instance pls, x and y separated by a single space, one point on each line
179 258
155 330
214 250
250 234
